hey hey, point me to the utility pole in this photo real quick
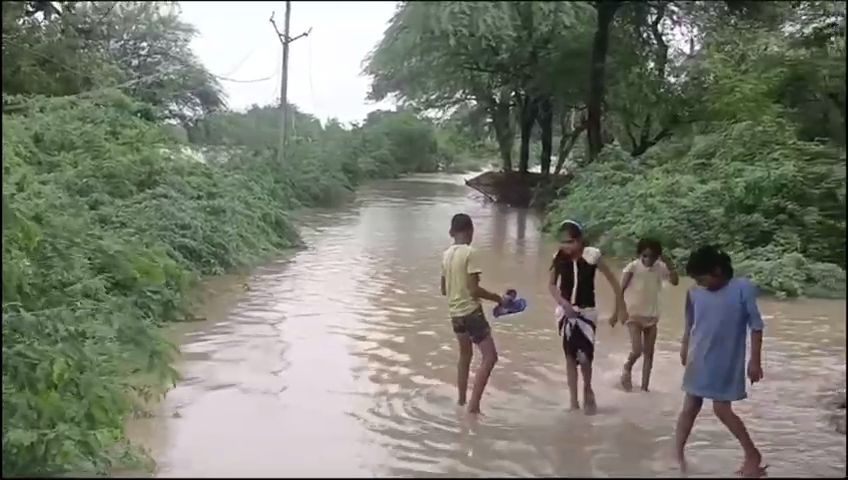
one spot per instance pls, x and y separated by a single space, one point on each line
285 40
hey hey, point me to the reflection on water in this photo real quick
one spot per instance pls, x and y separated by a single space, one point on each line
340 361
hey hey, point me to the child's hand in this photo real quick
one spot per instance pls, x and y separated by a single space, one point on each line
755 372
684 354
568 310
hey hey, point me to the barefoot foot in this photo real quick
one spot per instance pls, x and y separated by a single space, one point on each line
626 381
589 407
681 462
751 467
755 472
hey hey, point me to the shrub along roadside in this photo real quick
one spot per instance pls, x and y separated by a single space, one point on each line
775 203
105 229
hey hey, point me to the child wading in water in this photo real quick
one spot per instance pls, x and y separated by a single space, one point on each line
719 310
641 284
572 285
461 284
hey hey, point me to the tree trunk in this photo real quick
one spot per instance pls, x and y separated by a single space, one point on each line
606 13
569 136
546 124
499 109
527 119
502 124
660 61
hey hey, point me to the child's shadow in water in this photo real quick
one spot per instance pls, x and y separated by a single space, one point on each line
604 410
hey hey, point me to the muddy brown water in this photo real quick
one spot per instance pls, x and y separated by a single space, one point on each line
339 361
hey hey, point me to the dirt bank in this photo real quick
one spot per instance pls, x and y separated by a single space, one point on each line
518 189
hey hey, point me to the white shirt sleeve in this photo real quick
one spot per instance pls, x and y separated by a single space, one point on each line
631 267
473 262
592 255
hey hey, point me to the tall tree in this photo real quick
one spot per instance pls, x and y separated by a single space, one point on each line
496 54
606 10
142 47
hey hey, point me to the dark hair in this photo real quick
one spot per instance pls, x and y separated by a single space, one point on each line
649 244
460 223
574 231
573 228
705 260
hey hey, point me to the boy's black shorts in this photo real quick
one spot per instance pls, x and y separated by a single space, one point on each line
474 324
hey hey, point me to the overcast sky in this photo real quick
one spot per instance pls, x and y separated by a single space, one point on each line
236 40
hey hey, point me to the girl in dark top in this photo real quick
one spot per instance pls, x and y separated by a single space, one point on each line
572 286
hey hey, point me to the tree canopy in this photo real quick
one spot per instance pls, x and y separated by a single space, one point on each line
533 62
142 48
730 99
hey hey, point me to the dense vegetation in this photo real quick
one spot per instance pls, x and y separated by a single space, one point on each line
703 121
126 178
110 217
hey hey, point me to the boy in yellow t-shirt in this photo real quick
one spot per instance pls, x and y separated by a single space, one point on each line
461 284
641 283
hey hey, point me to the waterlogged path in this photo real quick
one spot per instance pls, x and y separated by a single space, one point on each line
339 361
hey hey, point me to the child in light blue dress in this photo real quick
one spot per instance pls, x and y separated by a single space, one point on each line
719 312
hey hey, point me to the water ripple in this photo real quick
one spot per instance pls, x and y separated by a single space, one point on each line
340 361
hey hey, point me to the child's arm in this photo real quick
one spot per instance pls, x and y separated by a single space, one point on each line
670 272
755 323
620 308
553 289
627 276
443 286
755 366
473 270
479 292
689 320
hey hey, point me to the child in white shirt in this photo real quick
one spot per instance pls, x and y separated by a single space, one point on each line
641 284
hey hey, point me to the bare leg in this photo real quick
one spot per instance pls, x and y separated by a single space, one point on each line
571 372
751 466
649 340
635 352
489 357
588 393
463 365
685 422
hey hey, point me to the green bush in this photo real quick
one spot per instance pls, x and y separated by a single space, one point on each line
459 154
325 163
109 218
108 221
105 228
775 201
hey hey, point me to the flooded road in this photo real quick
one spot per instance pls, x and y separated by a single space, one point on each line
340 361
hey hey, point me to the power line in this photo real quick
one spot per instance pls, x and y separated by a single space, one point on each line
255 80
241 62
